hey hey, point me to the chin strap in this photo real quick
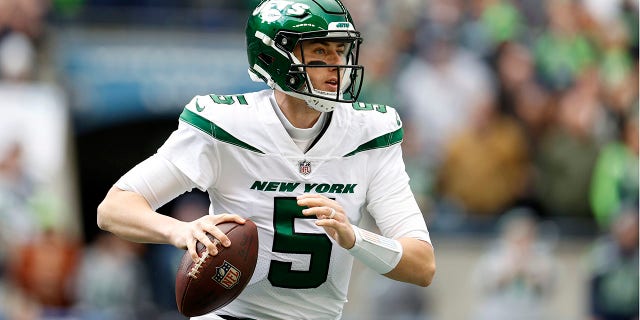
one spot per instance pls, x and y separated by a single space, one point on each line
377 252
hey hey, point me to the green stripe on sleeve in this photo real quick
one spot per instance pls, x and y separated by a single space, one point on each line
382 141
214 131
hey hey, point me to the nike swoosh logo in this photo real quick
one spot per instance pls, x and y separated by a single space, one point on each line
198 107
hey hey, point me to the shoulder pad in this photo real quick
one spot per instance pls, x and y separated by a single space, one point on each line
378 126
378 113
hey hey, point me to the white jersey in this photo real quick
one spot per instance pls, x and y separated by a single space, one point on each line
237 149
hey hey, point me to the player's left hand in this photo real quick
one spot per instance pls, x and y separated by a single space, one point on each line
331 217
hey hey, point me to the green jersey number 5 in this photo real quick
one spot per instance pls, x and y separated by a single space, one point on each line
286 240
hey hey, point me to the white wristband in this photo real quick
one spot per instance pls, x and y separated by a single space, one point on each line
375 251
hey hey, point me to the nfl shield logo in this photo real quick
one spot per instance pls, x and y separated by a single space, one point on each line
305 167
227 275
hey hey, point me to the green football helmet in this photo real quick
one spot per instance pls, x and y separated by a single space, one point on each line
277 26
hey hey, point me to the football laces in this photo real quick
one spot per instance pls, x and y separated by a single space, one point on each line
195 270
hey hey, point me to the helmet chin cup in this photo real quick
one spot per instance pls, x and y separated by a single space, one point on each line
321 105
314 102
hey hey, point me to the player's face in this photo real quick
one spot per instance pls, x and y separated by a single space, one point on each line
321 53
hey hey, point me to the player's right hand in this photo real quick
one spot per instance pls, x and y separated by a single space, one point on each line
187 234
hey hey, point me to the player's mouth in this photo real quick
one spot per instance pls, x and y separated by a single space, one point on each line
331 84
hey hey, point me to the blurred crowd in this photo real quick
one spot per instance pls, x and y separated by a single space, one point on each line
516 112
510 103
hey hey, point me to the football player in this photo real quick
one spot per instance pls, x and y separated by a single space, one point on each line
304 160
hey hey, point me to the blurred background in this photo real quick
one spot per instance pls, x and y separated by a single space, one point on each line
521 140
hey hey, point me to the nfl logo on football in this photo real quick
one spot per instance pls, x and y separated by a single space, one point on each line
305 167
227 275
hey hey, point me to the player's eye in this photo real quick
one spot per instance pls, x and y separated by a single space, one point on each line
320 51
343 50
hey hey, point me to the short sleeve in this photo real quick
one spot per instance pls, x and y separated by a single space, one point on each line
390 200
193 153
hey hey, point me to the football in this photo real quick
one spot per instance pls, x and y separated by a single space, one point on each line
214 281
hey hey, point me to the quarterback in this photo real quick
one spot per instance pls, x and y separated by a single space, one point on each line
303 159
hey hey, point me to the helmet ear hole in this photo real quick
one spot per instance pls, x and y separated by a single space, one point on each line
293 81
286 41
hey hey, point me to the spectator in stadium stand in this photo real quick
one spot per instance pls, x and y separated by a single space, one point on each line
615 178
613 270
111 281
563 50
486 166
567 154
514 278
453 78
